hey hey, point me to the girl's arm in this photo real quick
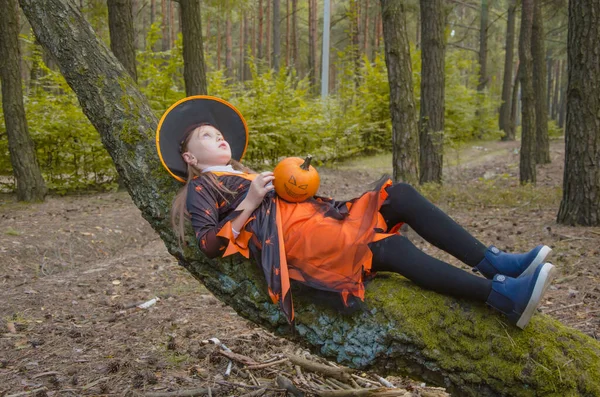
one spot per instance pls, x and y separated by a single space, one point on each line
256 193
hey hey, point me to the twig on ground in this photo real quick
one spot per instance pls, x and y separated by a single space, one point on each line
182 393
265 365
338 373
26 393
564 307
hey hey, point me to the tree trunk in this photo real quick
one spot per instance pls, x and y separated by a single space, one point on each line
485 12
120 26
172 25
165 26
528 126
260 29
228 46
549 69
400 328
30 184
152 11
405 133
366 30
194 70
508 68
268 29
557 84
562 113
581 184
431 120
295 54
514 101
242 48
276 35
312 43
247 37
542 150
288 33
353 16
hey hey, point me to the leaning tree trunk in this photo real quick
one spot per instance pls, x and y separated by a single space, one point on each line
30 184
581 184
431 120
405 133
528 127
505 107
120 26
540 86
194 73
461 345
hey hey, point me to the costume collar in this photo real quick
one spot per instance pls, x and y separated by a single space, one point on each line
221 168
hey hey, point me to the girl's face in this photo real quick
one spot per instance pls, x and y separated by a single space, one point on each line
207 147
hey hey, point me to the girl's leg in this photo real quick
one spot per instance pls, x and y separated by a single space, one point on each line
406 204
397 254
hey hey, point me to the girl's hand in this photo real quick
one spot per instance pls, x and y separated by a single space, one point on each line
259 187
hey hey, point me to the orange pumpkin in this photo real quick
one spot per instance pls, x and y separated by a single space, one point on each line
295 179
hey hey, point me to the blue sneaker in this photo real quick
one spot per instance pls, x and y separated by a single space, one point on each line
518 298
511 265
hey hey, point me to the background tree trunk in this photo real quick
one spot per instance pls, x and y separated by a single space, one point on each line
508 70
405 133
30 184
165 25
514 108
431 120
276 35
259 54
295 53
400 328
247 45
581 185
483 45
542 149
194 70
269 29
312 43
228 46
120 26
528 126
557 84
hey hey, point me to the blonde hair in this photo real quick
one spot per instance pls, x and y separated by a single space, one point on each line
179 211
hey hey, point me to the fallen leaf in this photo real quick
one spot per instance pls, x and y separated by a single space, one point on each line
11 327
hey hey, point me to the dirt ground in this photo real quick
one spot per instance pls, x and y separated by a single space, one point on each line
73 269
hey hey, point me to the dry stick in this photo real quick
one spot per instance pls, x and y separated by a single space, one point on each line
265 365
49 373
26 393
238 357
255 393
181 393
384 382
380 392
342 374
564 307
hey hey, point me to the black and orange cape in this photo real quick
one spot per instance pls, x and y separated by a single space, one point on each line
320 242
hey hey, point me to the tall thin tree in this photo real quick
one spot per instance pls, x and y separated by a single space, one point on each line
30 184
276 35
120 26
483 44
504 118
194 70
405 133
540 87
581 183
528 126
431 120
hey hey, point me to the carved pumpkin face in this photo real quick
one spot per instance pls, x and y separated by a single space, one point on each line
295 179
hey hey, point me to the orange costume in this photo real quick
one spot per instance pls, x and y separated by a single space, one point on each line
320 242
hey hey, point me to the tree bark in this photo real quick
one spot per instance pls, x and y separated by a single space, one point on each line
228 46
294 53
514 101
431 120
557 84
400 329
165 26
485 12
241 47
366 29
288 33
276 35
269 29
312 44
247 37
581 184
405 133
152 10
542 150
120 26
30 184
504 119
528 125
259 54
194 69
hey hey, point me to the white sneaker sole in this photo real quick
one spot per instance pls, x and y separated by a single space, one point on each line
539 258
541 285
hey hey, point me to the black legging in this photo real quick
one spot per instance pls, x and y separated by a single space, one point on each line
397 254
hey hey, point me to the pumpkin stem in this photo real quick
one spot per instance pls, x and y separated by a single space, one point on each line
306 165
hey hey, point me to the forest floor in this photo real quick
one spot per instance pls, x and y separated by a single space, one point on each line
72 270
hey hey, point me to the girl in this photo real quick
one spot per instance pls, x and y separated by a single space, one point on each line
327 244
